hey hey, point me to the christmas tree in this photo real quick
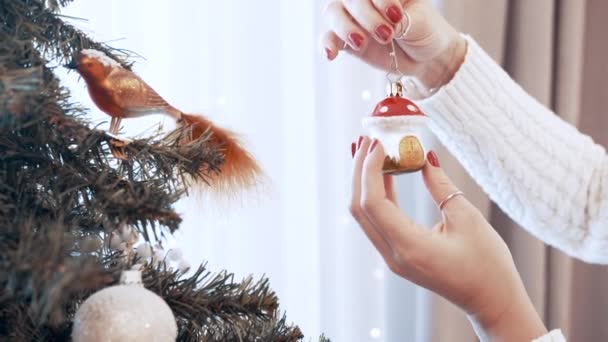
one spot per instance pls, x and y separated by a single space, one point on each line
66 202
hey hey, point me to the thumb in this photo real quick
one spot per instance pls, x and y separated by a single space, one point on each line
397 228
373 186
439 185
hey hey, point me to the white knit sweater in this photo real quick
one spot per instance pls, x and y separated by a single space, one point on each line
544 173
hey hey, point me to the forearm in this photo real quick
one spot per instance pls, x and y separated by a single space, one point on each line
519 322
536 167
440 70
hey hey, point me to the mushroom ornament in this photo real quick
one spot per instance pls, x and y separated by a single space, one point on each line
397 123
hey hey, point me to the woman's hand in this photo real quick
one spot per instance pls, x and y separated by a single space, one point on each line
462 258
427 46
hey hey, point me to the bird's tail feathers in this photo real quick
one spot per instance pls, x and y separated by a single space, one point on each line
239 170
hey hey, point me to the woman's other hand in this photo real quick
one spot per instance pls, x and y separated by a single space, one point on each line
427 46
461 258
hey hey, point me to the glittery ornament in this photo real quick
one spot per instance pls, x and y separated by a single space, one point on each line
125 312
397 123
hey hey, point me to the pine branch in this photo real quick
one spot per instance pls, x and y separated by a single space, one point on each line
61 192
207 308
216 308
56 177
139 193
31 20
55 5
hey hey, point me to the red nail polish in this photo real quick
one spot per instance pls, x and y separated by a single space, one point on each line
384 32
373 145
432 157
353 149
356 39
359 142
394 14
328 53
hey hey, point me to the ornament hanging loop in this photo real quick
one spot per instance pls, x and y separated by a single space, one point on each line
404 29
394 60
395 76
395 89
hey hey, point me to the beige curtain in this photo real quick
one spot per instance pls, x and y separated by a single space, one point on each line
557 50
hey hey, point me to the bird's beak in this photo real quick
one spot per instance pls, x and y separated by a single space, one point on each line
72 65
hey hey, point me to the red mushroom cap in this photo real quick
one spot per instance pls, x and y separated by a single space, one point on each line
396 106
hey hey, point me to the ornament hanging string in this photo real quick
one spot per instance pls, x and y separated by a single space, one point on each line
395 75
396 72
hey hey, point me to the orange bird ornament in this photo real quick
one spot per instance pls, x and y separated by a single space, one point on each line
120 93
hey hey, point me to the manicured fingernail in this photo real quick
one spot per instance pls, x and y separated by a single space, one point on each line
394 14
328 54
353 149
356 39
359 142
432 157
384 32
373 145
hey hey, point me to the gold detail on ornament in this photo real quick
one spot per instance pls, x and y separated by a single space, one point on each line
411 157
390 164
411 154
395 89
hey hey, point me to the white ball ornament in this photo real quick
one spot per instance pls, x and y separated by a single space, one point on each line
125 312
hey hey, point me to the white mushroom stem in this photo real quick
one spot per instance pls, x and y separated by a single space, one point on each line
389 130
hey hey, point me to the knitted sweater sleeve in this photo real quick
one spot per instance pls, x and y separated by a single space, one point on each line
544 173
552 336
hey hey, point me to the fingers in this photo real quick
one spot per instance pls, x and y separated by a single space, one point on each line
360 152
397 228
404 26
389 189
390 9
346 32
344 26
414 15
332 44
422 31
440 187
361 147
370 19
